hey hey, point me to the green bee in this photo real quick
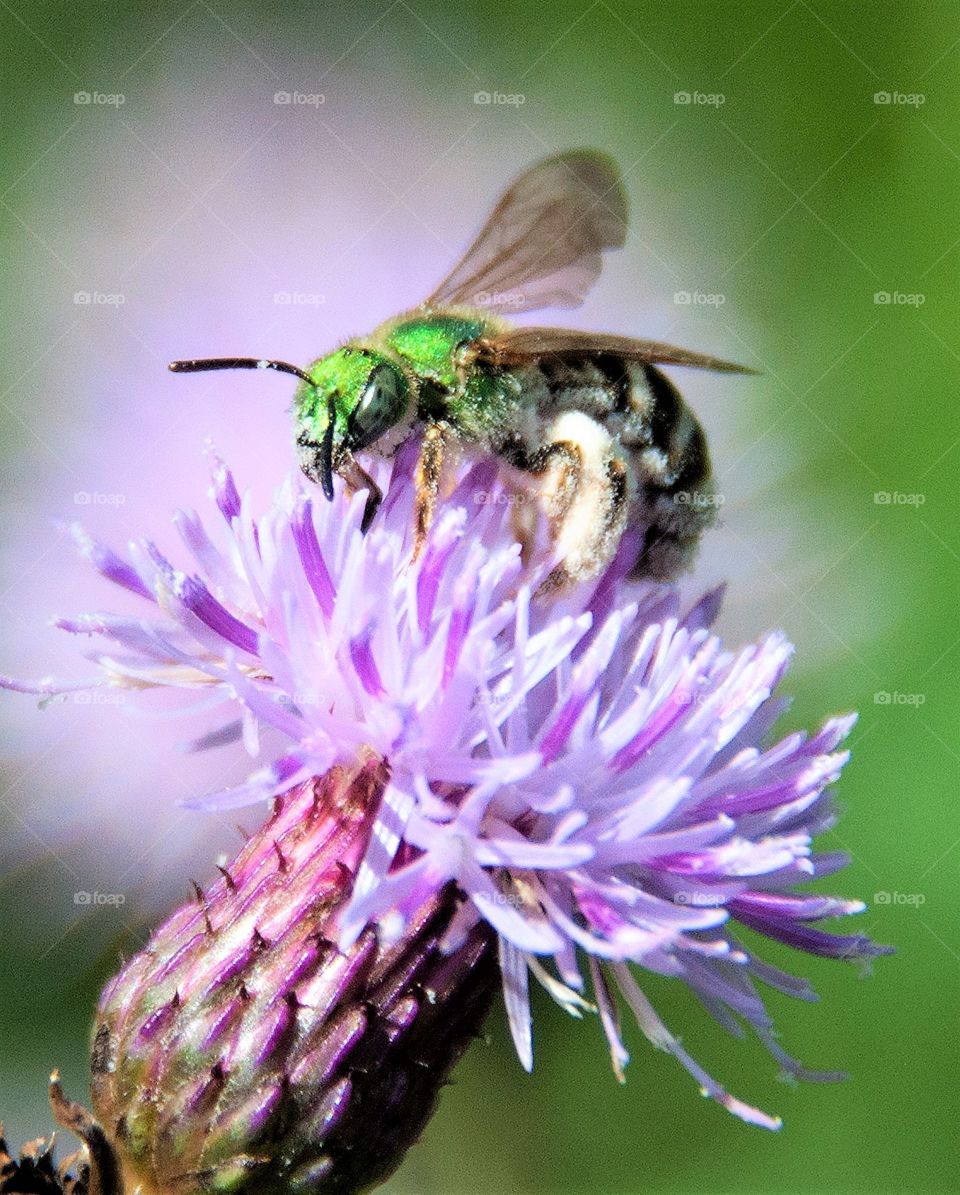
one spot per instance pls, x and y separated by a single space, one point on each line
593 427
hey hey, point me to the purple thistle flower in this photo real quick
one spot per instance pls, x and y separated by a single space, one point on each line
589 770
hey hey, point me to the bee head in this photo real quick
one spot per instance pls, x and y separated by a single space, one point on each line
346 401
353 397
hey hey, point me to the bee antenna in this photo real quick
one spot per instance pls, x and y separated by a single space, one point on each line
206 363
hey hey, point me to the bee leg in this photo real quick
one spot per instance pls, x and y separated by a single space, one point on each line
586 497
558 467
427 481
359 479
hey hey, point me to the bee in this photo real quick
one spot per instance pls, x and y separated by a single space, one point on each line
591 423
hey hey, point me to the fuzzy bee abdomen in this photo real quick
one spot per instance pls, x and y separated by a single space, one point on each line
661 484
674 499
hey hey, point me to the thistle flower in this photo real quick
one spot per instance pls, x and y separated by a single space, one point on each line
588 775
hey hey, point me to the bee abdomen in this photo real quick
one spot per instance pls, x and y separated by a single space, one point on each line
593 385
675 499
662 480
672 439
637 404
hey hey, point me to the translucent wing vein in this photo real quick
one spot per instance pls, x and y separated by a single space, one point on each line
542 244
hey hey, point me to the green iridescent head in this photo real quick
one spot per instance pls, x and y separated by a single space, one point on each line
346 401
353 397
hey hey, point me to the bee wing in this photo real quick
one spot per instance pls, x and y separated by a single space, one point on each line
541 244
519 346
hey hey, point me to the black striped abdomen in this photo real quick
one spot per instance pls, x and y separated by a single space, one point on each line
657 436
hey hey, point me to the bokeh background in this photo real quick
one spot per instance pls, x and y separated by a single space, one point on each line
794 173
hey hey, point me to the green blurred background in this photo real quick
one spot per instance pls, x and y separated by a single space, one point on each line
785 202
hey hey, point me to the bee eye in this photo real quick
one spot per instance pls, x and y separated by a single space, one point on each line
381 405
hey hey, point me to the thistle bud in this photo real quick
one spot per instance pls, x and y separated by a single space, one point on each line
243 1051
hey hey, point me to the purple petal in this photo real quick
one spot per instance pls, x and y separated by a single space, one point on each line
108 564
311 556
516 998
